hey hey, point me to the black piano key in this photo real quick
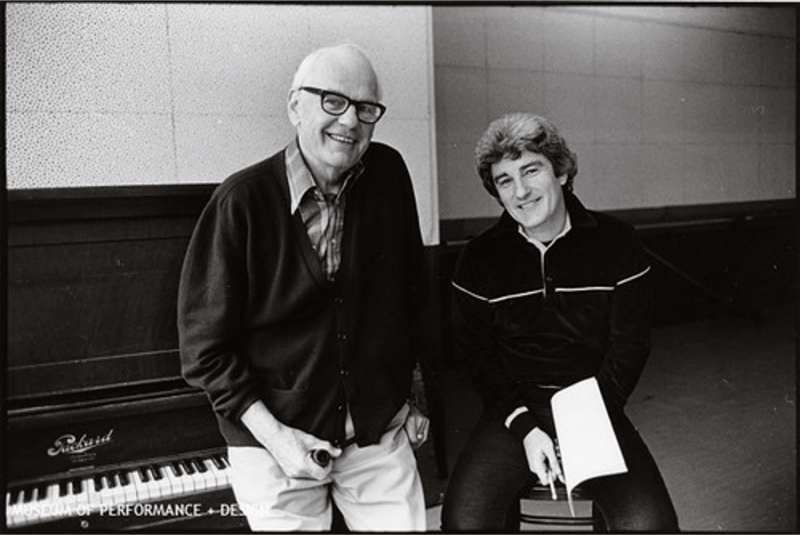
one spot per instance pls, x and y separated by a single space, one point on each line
218 462
201 467
188 467
124 480
98 483
63 488
158 475
177 471
41 492
27 494
16 497
144 474
77 487
113 480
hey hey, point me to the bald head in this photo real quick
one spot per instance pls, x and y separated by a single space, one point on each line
343 60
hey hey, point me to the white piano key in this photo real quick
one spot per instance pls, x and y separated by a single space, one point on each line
197 477
219 478
152 485
9 512
174 479
81 496
164 484
94 499
106 492
28 510
16 516
206 474
200 479
117 492
129 488
142 490
68 497
52 502
189 484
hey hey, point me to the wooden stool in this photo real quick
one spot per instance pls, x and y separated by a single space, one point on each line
541 493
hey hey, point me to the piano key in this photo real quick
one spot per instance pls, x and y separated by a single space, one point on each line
128 487
218 462
137 484
50 502
197 477
52 493
92 492
16 501
163 483
117 492
153 484
105 491
216 477
190 477
174 479
208 477
9 512
188 482
16 496
142 491
27 494
80 493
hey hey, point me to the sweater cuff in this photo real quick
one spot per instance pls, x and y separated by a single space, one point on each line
520 422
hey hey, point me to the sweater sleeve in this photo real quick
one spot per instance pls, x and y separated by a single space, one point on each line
477 353
211 306
629 333
417 291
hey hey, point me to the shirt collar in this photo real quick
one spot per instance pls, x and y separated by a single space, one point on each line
543 246
301 180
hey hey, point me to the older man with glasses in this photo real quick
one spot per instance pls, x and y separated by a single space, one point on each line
298 315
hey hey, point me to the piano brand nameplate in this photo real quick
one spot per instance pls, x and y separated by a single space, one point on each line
111 434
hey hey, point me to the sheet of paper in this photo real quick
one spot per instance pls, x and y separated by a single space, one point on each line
587 441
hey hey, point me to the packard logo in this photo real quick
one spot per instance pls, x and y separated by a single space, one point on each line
71 445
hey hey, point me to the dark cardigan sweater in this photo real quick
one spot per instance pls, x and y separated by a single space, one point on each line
257 318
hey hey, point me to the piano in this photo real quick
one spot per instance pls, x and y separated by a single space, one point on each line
135 461
101 432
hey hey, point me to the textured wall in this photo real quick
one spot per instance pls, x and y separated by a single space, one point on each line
664 106
127 94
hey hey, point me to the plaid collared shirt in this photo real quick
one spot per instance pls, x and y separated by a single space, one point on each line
323 215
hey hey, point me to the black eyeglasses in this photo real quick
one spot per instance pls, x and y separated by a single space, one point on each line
336 104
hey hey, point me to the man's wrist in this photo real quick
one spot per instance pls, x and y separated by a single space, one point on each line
520 422
258 419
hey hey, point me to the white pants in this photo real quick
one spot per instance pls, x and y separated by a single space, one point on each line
377 488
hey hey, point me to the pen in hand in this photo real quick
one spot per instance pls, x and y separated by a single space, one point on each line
551 477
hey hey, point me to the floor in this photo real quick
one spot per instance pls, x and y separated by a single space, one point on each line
716 404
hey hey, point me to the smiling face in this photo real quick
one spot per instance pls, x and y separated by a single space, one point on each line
530 191
332 144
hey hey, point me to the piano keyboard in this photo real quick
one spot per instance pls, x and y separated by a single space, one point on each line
82 496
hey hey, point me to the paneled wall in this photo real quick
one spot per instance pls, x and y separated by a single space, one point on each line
664 106
107 94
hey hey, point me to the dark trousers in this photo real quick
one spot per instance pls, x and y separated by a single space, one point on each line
492 475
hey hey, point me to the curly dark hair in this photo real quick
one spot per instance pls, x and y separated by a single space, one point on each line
511 135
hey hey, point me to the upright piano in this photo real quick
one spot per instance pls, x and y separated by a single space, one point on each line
101 432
